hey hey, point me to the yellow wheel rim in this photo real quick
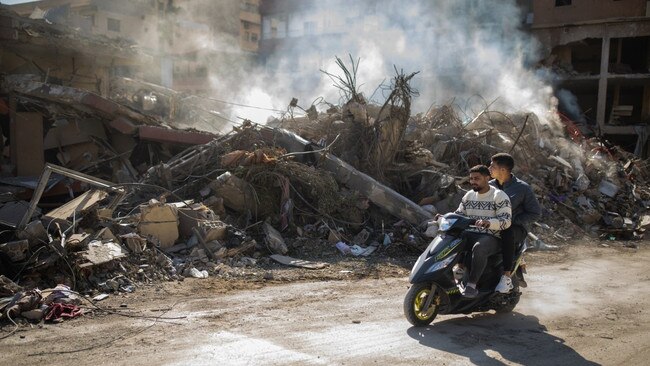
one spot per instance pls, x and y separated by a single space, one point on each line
418 304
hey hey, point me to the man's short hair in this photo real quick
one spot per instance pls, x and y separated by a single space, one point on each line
482 169
505 160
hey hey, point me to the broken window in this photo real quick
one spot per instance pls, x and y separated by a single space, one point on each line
629 55
113 25
562 2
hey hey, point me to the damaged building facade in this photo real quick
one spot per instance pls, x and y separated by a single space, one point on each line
601 56
187 39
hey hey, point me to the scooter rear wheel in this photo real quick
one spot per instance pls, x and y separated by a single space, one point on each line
415 301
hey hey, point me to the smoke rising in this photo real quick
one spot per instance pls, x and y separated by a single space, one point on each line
569 103
467 51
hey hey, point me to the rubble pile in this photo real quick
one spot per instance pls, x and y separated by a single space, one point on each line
584 185
130 193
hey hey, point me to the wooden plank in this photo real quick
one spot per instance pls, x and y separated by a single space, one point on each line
79 204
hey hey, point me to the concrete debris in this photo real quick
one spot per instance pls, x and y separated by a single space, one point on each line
274 240
99 252
159 221
237 194
138 188
16 250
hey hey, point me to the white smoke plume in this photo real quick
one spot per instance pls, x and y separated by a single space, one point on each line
467 51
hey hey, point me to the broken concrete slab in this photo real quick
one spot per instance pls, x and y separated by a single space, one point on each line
160 221
78 98
192 216
99 252
237 194
213 230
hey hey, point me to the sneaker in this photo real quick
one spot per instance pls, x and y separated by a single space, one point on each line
461 286
469 292
505 285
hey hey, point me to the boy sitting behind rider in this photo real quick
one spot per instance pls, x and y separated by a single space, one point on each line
525 210
491 209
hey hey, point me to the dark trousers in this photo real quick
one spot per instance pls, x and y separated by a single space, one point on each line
509 237
483 246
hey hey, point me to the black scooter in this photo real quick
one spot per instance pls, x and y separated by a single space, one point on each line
434 290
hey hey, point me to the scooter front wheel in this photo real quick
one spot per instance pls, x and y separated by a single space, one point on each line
415 303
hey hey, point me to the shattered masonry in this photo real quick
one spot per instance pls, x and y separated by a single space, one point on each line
121 192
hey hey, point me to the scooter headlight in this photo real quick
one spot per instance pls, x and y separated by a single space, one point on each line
445 224
442 264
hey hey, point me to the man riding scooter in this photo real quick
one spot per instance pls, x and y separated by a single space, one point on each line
491 209
525 210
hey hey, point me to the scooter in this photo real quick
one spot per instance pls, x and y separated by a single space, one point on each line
435 275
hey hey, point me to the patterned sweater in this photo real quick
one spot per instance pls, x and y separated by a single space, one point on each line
493 205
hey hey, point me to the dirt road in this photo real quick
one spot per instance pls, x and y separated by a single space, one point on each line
586 306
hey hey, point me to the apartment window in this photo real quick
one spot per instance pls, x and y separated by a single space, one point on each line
247 25
310 27
90 18
113 25
562 2
250 36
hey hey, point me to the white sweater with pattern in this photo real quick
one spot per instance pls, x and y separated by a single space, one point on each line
493 205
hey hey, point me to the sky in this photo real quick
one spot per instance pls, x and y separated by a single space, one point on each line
11 2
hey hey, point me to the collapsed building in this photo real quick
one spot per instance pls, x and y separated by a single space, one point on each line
110 184
600 57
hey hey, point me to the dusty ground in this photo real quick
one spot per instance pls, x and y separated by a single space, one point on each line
586 304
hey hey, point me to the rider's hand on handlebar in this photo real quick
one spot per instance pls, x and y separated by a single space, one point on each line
482 224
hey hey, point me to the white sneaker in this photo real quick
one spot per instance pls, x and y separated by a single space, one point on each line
505 285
